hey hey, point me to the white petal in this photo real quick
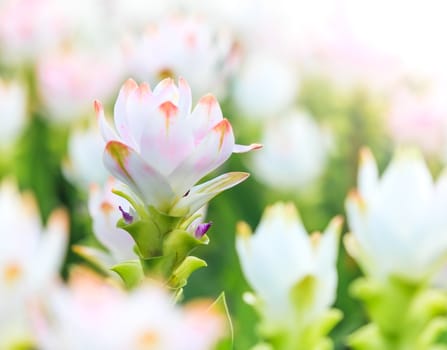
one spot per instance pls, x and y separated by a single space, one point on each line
51 252
126 165
185 98
205 116
199 195
107 132
167 139
103 208
368 176
214 150
246 148
122 123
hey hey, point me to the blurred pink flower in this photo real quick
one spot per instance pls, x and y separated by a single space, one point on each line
183 46
69 80
30 27
418 119
161 148
92 314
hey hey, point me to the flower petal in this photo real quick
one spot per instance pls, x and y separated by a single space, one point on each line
201 194
107 132
368 176
185 98
166 140
103 208
52 249
126 165
246 148
214 150
206 115
120 112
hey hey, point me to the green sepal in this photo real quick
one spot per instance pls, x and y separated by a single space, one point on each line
164 222
178 245
146 235
388 303
404 315
220 306
180 276
131 272
367 338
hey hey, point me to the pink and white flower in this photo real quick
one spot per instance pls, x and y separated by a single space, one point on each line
184 46
161 149
92 314
68 80
30 27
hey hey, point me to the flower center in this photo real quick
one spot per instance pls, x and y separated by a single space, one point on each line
12 272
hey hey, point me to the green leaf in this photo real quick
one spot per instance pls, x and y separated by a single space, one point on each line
220 306
180 276
130 272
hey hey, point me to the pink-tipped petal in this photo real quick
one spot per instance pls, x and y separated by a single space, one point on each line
125 164
107 132
213 151
168 141
203 193
185 97
166 90
246 148
120 112
205 116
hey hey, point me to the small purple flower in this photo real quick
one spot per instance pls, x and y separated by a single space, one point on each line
128 218
201 229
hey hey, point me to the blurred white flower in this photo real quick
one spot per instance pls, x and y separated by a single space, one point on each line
84 165
161 148
280 255
29 28
183 47
13 107
91 314
266 86
398 222
30 257
106 208
69 80
295 152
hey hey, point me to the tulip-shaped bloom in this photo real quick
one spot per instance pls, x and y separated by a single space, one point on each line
398 222
92 314
293 274
161 149
30 257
